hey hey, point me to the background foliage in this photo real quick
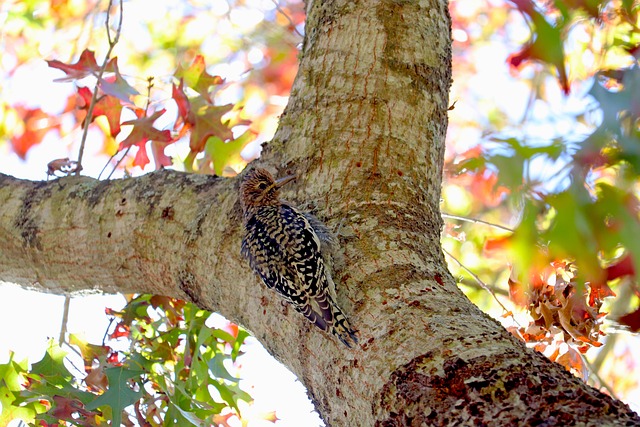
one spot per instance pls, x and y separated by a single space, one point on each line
540 196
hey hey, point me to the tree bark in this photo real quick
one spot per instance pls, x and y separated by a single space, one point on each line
364 131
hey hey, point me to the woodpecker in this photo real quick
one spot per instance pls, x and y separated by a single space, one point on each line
291 252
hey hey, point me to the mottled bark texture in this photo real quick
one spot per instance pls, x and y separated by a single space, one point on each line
364 130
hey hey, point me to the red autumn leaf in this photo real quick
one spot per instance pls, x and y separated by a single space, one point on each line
161 301
632 320
142 158
36 125
85 66
207 122
120 331
598 291
622 268
113 359
545 44
142 132
157 151
70 409
111 108
181 100
107 106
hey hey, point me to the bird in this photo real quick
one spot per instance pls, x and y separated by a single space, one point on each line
291 251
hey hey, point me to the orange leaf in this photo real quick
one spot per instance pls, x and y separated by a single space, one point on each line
36 125
107 106
572 361
599 291
142 132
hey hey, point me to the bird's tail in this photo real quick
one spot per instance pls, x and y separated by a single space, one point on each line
342 329
326 315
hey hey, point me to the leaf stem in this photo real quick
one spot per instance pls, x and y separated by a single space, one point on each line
94 98
481 283
477 221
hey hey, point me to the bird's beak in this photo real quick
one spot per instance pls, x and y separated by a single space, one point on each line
285 180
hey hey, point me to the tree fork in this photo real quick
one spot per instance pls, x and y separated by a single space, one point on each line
364 131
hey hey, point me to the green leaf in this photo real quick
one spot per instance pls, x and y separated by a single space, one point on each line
242 335
223 335
11 373
12 412
10 388
187 416
235 393
120 394
225 153
51 367
197 78
571 232
216 365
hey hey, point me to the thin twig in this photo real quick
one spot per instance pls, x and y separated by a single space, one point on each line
119 161
287 17
65 319
106 332
595 373
107 164
75 350
68 359
113 42
474 285
94 98
481 283
477 221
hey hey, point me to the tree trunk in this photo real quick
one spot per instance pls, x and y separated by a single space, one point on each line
364 131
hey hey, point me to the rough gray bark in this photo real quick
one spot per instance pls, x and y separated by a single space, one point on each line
364 131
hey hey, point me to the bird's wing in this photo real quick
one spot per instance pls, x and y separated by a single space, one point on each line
289 262
264 254
306 261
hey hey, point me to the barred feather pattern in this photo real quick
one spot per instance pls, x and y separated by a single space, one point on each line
288 249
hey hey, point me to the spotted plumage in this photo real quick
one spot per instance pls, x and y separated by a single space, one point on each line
291 252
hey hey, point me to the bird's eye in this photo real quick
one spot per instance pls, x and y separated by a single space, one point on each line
262 185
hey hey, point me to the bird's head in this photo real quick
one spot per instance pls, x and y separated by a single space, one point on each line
258 188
